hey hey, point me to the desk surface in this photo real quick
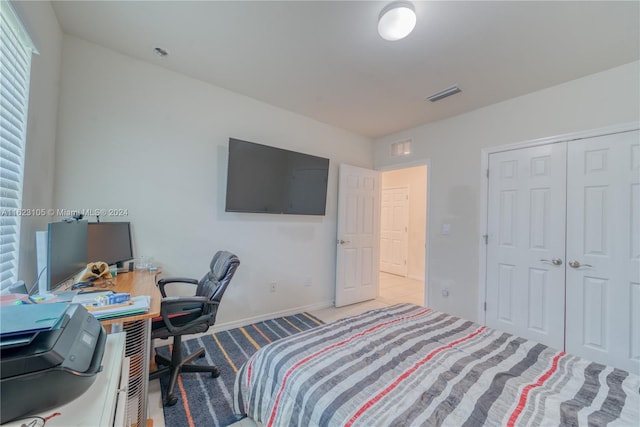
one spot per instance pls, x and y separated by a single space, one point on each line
138 282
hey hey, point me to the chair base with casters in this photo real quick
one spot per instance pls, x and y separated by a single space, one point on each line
185 315
177 364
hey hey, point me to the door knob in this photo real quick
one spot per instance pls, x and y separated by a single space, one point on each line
343 242
576 264
554 261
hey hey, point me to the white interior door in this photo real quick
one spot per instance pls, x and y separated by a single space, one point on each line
526 243
358 235
603 250
394 227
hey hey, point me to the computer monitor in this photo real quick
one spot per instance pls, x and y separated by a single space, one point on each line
110 242
66 251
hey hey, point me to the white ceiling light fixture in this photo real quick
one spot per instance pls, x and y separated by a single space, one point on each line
396 20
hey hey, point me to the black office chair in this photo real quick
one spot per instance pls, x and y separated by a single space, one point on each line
190 315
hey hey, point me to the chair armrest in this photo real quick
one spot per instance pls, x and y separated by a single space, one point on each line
163 282
184 305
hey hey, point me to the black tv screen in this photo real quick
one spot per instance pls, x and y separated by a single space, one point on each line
264 179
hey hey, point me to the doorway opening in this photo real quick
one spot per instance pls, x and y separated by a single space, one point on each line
403 235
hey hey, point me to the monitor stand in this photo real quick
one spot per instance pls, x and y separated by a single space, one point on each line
121 269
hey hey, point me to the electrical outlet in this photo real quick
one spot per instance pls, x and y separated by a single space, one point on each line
445 287
273 286
308 281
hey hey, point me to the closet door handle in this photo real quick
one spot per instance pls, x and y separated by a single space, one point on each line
554 261
576 264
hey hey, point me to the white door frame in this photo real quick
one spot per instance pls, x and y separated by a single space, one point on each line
484 191
410 164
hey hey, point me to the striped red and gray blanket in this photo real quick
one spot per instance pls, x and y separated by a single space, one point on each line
410 366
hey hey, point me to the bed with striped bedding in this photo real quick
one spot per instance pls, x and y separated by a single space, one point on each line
407 366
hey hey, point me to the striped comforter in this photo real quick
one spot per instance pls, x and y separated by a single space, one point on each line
407 366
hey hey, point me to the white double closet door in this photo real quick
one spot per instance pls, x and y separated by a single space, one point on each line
563 252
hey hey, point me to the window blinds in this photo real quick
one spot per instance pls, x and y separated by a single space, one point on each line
15 66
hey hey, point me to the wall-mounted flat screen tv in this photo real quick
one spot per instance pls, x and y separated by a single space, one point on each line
264 179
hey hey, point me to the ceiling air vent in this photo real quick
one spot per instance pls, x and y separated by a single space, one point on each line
401 148
444 93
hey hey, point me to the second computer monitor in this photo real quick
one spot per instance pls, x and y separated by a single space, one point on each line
66 251
110 242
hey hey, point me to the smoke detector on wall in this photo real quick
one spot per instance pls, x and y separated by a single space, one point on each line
160 52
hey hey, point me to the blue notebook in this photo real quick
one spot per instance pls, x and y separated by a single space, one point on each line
29 318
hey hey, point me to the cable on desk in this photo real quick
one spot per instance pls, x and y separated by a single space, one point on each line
35 422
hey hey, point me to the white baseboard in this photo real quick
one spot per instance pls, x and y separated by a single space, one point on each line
244 322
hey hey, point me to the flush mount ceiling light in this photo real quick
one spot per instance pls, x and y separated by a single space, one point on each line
397 20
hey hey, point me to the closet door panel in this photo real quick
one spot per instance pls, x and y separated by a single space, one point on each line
603 250
526 230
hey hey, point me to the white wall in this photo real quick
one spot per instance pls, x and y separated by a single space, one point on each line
42 25
133 135
415 179
454 146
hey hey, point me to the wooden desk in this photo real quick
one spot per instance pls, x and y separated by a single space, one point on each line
138 339
136 283
139 282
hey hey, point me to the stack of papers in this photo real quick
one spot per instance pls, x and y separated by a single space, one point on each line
139 305
89 297
20 323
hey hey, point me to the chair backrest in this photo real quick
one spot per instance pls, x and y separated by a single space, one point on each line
221 270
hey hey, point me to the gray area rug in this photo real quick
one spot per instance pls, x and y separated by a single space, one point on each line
205 401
